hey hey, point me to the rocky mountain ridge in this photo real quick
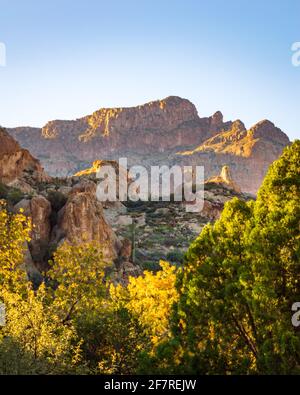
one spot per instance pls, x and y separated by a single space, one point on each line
167 131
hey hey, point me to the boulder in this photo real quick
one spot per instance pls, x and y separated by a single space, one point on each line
225 180
124 220
195 227
39 210
162 211
82 219
112 211
212 210
18 165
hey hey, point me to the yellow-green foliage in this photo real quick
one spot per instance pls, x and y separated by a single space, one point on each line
149 299
14 233
34 339
45 344
77 274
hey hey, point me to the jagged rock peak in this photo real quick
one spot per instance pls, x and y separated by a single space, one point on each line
167 115
267 130
226 174
238 126
225 179
217 119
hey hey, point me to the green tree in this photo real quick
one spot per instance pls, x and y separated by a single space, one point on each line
275 246
238 284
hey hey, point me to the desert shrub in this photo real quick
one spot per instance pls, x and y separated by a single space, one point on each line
14 196
152 266
57 200
175 256
3 191
11 195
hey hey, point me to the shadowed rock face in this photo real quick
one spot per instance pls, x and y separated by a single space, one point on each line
38 209
167 131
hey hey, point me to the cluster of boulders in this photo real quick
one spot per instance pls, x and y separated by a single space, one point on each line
65 210
225 179
80 219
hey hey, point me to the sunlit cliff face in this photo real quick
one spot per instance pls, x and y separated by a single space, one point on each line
167 131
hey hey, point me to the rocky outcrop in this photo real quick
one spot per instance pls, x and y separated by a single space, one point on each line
96 166
38 209
125 266
225 180
18 167
82 219
166 131
67 210
8 145
248 153
94 173
212 210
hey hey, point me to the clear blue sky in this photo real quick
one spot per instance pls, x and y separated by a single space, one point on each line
65 59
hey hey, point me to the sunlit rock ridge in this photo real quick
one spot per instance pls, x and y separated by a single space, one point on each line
168 131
